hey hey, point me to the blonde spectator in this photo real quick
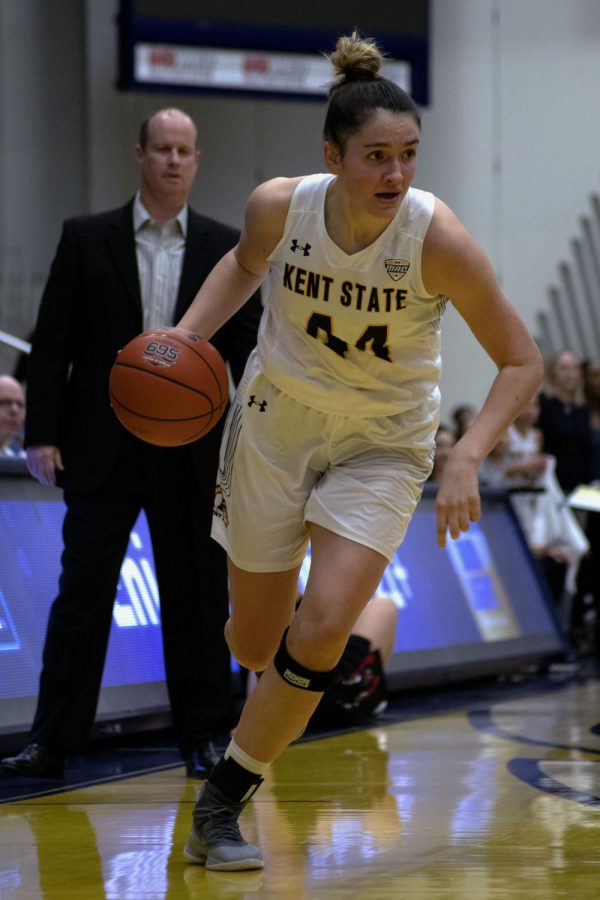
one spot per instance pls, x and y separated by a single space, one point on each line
525 461
564 421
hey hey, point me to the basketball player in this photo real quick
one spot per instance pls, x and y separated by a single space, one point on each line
332 434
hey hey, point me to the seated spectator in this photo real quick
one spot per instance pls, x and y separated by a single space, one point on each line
551 530
359 692
12 417
525 461
462 416
492 471
444 442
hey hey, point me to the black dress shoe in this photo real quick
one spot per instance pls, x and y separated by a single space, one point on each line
200 761
35 762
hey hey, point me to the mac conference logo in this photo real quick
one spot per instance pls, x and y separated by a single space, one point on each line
397 268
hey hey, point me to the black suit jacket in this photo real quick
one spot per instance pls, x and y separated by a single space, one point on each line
91 307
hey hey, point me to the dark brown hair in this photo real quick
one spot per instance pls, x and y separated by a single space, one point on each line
358 89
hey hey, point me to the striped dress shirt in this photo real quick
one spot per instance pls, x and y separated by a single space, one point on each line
159 250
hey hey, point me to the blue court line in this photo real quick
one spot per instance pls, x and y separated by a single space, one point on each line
529 771
481 720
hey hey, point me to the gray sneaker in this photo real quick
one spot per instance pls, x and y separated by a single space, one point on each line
215 840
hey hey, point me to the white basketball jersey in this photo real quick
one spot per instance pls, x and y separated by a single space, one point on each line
355 334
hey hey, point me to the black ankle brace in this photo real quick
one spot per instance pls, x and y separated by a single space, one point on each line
233 780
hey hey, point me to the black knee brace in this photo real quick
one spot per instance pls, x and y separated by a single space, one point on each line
296 675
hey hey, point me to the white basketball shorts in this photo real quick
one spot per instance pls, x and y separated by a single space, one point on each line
284 464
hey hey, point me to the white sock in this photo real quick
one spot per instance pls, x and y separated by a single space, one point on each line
247 762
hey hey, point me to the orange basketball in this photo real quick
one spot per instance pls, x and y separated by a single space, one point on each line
169 386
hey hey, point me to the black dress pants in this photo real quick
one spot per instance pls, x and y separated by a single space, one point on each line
175 487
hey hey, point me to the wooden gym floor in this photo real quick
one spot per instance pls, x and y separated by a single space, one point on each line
488 791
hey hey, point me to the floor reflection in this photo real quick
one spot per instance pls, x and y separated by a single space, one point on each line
450 806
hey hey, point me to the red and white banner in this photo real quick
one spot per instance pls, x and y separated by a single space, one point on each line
247 70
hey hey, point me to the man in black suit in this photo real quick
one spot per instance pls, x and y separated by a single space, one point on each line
115 274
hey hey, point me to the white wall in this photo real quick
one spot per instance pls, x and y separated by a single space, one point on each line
42 133
457 164
509 141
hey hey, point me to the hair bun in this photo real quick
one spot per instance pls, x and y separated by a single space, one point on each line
355 59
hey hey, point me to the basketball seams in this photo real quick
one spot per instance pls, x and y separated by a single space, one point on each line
148 418
179 439
157 373
201 356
